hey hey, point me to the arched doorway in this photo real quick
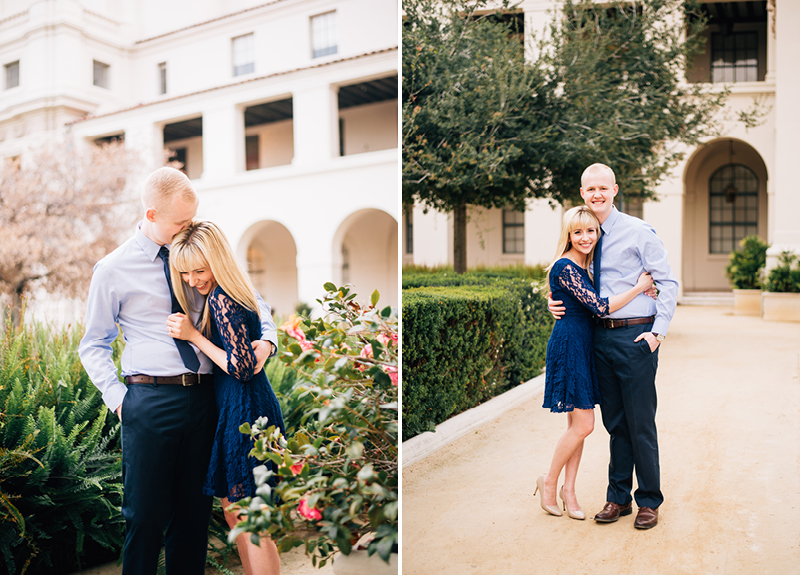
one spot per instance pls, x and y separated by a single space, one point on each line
725 200
365 254
271 255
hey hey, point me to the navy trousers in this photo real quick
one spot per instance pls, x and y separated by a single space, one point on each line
167 431
626 372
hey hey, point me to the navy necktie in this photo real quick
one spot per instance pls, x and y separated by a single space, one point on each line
598 250
188 355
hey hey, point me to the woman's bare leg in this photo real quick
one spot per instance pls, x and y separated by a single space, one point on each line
580 423
260 559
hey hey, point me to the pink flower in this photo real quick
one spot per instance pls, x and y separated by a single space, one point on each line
309 513
392 373
387 339
296 468
306 345
292 329
367 351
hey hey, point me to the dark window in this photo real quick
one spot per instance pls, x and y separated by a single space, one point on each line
251 152
100 76
733 207
179 155
324 35
162 78
12 75
513 232
734 57
341 136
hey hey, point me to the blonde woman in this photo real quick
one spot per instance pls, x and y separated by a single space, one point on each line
201 258
570 378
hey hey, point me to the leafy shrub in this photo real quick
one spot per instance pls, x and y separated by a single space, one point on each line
338 472
463 344
745 264
60 467
785 277
420 276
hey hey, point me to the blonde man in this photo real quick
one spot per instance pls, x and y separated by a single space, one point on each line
167 407
626 349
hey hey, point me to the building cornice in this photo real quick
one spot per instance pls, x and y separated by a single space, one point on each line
240 83
211 21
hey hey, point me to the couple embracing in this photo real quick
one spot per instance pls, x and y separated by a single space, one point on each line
185 390
604 349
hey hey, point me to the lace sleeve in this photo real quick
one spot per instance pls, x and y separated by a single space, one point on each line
571 280
230 319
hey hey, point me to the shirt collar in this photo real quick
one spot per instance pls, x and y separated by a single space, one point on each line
149 247
612 218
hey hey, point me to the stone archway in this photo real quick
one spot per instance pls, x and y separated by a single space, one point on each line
271 255
365 254
704 258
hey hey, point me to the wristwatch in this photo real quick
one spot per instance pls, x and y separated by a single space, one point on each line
659 336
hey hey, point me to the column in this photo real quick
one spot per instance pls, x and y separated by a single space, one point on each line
784 231
771 41
316 125
223 141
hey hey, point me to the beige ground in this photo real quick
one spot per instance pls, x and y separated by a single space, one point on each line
729 428
293 562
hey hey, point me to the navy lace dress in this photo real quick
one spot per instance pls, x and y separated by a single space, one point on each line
241 397
570 376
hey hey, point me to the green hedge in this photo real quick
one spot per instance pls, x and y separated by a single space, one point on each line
463 344
414 276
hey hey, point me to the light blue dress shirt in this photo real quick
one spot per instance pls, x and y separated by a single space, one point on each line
630 247
129 291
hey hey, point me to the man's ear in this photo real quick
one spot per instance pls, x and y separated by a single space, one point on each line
150 215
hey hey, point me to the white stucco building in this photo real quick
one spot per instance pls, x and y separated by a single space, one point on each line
284 114
739 184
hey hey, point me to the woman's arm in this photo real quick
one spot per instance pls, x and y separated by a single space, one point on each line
620 300
231 321
571 280
181 327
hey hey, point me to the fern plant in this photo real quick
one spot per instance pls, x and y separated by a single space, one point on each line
60 468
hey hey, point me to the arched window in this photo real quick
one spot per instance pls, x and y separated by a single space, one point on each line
733 207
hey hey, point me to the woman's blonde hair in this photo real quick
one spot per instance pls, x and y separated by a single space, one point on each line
578 217
202 245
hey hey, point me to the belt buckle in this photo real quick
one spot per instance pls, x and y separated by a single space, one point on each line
183 381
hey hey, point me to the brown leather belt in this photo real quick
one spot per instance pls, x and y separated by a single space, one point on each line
185 380
615 323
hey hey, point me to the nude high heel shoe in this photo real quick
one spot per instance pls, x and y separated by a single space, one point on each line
551 509
579 514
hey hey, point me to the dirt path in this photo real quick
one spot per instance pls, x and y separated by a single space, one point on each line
729 434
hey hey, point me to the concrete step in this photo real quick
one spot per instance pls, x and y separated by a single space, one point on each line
707 298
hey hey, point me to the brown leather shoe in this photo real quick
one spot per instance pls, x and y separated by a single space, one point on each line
613 511
647 518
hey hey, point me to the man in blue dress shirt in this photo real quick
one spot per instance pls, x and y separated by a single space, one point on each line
167 408
626 348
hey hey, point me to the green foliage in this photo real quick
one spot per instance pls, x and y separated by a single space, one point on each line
469 100
60 468
337 475
785 277
482 125
420 276
745 264
467 342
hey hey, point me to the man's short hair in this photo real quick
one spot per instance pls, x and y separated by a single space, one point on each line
163 185
598 168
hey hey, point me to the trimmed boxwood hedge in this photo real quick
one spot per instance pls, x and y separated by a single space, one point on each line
466 342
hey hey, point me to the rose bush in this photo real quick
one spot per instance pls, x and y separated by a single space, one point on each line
335 479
